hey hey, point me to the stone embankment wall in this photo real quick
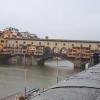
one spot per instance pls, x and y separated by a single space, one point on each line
23 60
82 86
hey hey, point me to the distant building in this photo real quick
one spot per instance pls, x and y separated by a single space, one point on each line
15 33
33 36
10 32
13 38
25 34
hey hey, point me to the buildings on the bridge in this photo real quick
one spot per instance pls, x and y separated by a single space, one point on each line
15 33
12 40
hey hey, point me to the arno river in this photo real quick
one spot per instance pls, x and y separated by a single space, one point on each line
14 78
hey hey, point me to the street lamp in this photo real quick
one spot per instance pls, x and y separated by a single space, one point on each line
57 71
25 81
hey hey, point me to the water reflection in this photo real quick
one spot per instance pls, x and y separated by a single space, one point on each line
14 78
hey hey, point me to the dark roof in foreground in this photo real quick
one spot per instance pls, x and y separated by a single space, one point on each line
82 86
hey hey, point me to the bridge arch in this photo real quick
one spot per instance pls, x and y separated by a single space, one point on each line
64 50
47 50
55 50
50 53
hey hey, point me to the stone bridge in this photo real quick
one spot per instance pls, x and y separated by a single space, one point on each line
49 53
43 49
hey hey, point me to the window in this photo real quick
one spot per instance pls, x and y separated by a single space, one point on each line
72 45
89 46
55 43
39 43
16 41
31 42
24 42
64 44
2 41
48 43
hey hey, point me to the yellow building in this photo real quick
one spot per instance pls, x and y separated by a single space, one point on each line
10 40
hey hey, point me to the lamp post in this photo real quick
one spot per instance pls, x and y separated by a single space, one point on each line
25 80
57 71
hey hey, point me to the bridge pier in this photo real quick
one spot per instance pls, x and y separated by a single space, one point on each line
4 59
23 60
27 59
18 58
33 60
40 62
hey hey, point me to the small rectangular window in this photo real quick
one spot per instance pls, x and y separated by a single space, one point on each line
2 41
31 42
24 42
64 44
48 43
16 41
55 43
39 43
72 45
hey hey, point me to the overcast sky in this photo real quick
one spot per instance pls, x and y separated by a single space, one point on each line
63 19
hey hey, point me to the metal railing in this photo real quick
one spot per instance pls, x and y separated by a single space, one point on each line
31 93
15 96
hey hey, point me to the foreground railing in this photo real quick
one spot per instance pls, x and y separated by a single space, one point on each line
16 96
31 93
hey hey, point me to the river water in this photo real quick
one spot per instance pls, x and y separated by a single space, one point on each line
14 78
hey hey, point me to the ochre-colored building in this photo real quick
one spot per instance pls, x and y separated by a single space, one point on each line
9 40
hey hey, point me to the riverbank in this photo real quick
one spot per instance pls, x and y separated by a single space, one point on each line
82 86
12 77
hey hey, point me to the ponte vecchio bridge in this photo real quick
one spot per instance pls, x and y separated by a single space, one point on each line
27 48
75 51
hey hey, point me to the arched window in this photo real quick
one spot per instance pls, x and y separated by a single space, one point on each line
48 43
16 41
90 46
31 42
55 43
2 41
39 43
64 44
72 45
